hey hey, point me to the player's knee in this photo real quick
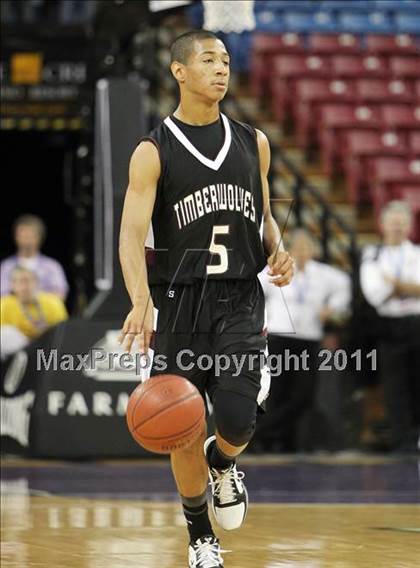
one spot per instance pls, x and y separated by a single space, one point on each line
235 416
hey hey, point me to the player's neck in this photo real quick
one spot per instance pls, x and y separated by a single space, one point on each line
197 114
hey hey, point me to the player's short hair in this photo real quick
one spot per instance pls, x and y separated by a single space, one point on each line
33 221
183 46
396 206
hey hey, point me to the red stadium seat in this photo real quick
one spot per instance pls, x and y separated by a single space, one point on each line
357 66
392 44
405 66
414 143
401 170
280 97
380 91
387 174
301 66
264 47
332 43
310 94
336 119
278 43
370 142
401 116
288 68
361 144
417 89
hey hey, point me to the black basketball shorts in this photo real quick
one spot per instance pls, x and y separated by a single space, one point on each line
213 333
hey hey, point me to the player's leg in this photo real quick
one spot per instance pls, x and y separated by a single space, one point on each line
236 393
189 465
189 468
235 418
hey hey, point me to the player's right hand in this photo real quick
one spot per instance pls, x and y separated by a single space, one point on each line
138 326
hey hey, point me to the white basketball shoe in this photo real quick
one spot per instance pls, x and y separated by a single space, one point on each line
230 497
205 552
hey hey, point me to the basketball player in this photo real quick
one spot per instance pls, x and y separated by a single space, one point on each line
200 179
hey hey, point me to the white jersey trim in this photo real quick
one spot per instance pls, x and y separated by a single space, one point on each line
220 158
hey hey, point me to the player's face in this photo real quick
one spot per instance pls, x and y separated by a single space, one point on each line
396 227
207 72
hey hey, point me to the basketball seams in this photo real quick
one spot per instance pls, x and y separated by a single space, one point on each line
169 406
159 381
183 432
172 408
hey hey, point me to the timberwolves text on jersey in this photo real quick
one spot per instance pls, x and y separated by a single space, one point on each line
208 213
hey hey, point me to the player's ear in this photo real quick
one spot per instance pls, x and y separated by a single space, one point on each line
178 71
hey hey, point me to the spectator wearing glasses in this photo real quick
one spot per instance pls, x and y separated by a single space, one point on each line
390 281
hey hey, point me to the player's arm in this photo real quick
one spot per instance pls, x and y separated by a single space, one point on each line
139 201
279 261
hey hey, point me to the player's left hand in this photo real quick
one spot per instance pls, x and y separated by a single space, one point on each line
281 268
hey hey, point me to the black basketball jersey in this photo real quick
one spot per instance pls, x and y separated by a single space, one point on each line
208 213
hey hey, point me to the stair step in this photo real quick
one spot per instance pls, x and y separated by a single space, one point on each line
334 191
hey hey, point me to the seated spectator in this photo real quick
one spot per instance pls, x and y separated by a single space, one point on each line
390 281
297 315
29 233
26 313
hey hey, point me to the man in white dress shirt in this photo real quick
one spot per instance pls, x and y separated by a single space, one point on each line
390 281
297 315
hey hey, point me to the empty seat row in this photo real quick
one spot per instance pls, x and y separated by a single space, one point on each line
358 147
271 51
337 121
395 178
401 6
335 43
301 98
346 66
327 21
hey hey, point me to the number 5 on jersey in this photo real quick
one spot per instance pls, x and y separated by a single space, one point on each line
218 249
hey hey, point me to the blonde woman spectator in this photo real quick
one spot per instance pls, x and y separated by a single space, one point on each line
26 313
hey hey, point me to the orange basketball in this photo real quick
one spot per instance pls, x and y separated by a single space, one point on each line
165 413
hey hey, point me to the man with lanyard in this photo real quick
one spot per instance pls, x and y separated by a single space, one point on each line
390 281
296 318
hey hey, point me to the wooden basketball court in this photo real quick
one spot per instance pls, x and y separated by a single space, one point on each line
304 514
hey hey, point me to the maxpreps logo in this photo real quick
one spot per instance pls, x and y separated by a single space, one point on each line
108 361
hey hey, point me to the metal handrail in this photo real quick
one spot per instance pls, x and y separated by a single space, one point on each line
300 186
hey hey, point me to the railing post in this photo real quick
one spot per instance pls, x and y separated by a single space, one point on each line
325 234
297 200
355 270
